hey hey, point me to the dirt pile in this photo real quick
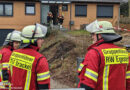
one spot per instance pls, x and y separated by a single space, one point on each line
62 49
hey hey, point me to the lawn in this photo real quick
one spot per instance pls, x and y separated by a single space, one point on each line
78 32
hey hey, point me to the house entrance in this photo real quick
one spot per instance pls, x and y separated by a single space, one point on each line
54 10
45 8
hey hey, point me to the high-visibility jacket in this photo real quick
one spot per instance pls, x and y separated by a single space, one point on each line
128 76
4 65
30 68
104 67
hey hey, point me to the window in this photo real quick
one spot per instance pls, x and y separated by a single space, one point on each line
64 7
80 10
105 11
30 8
6 9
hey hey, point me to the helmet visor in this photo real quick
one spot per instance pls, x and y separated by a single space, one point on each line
43 29
5 43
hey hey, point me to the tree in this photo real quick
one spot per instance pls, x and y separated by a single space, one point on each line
129 7
124 9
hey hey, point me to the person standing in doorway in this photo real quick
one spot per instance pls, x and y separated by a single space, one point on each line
60 20
50 19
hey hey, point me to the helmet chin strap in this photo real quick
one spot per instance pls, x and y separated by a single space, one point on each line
34 31
97 35
35 42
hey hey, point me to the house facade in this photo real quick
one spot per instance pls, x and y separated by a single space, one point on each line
78 13
15 14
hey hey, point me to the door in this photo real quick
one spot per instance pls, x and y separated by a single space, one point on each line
54 10
44 12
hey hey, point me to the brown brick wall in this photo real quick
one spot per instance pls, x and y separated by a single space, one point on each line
19 18
91 16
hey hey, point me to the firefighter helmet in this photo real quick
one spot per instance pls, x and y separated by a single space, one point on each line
31 33
13 36
106 30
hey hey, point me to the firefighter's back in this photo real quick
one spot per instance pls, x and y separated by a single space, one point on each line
23 75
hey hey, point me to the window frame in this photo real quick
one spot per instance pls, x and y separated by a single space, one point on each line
66 5
80 5
30 4
106 6
4 9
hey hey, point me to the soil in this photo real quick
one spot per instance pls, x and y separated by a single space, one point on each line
62 53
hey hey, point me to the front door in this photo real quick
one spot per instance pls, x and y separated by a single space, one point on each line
44 12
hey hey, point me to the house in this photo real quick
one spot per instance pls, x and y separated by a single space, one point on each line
15 14
80 12
86 11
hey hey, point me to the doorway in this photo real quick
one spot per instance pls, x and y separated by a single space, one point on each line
54 10
45 8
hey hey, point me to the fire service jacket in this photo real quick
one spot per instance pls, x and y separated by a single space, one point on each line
104 67
30 69
4 66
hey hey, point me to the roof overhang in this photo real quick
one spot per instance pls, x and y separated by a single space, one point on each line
98 1
56 1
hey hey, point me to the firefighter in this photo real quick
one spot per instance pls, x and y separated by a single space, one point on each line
30 68
11 43
105 64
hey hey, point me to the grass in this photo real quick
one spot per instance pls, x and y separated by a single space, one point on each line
78 32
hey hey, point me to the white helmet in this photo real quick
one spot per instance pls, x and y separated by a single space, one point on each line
106 30
100 27
13 36
31 33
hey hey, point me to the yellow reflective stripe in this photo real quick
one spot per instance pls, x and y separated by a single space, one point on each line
0 66
80 67
105 77
28 79
28 41
5 65
43 76
91 74
128 75
0 56
11 69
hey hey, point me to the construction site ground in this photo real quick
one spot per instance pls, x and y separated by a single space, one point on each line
61 48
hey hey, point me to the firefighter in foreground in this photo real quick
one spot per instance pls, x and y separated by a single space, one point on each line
105 64
30 68
11 43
